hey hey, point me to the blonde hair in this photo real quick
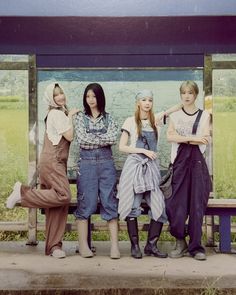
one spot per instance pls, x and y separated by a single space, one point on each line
189 84
139 122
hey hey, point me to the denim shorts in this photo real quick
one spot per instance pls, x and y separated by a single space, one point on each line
96 181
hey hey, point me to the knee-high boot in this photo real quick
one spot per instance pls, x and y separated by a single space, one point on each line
154 232
132 226
82 226
113 228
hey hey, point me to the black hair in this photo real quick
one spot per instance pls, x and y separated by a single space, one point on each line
100 97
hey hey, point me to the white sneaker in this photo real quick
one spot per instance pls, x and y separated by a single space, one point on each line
58 253
14 197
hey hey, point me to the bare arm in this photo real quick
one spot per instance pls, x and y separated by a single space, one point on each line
173 136
160 116
123 147
206 134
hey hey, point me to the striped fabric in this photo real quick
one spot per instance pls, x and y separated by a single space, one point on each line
138 175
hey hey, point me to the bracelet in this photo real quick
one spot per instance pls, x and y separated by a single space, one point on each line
164 118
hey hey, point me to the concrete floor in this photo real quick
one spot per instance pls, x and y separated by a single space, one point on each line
26 270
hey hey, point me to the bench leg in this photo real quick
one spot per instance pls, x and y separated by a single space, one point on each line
32 227
93 249
225 233
209 226
89 232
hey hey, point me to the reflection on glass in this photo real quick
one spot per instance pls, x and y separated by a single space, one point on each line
224 139
13 58
120 88
224 57
13 131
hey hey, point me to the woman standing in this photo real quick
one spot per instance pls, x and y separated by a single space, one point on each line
191 183
140 175
54 193
96 132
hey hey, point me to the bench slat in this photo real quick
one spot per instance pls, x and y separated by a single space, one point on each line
222 203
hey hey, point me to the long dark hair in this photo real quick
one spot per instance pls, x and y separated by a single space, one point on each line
100 97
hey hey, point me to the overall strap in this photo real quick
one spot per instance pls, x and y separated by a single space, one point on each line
86 123
195 124
106 120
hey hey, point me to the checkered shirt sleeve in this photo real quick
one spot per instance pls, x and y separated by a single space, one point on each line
89 140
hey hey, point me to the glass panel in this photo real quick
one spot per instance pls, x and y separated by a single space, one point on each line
13 58
224 136
120 86
224 57
13 133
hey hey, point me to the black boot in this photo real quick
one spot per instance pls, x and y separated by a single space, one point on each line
154 232
132 226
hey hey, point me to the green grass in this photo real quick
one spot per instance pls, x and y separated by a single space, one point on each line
224 154
13 157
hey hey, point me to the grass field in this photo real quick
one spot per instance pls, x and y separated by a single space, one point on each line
224 154
13 156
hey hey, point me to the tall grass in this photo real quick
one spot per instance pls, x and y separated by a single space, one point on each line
224 147
13 156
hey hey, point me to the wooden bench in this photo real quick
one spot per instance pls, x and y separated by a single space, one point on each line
223 208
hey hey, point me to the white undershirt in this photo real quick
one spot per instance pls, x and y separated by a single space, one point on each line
183 124
130 126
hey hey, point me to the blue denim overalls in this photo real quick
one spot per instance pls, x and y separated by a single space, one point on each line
148 141
96 180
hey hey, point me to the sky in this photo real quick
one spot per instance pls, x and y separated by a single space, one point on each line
116 7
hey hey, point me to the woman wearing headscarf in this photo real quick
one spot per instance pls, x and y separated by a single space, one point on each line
140 175
54 194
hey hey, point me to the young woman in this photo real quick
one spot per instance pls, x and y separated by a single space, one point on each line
54 193
191 182
140 175
96 132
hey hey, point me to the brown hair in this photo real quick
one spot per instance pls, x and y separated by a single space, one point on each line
190 84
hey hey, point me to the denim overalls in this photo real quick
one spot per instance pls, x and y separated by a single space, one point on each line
191 186
96 180
148 141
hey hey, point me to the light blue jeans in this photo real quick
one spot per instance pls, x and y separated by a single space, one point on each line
96 181
137 209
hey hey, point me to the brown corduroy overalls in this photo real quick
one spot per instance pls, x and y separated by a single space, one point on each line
54 194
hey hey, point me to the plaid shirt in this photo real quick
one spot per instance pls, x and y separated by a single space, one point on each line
90 140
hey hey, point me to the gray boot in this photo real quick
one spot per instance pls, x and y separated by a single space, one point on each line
84 250
113 228
180 249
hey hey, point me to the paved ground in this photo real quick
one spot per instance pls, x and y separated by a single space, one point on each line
26 268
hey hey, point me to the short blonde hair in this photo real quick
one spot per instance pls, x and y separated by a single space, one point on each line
190 84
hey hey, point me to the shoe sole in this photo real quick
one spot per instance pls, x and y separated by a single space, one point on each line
152 254
182 254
